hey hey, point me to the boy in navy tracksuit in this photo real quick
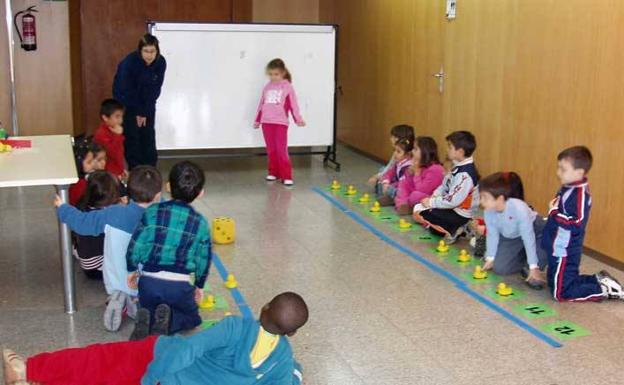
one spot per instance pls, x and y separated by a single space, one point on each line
450 208
565 231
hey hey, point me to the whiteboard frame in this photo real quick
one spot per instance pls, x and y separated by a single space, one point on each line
329 155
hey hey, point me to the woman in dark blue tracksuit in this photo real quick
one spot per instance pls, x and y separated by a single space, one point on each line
137 85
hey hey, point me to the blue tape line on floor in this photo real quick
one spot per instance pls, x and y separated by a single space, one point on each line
461 285
236 294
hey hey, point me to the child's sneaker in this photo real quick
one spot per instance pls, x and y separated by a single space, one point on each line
132 306
162 316
479 246
142 327
610 286
115 310
270 178
385 200
14 367
452 238
288 182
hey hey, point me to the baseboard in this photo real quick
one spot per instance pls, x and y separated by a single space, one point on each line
604 258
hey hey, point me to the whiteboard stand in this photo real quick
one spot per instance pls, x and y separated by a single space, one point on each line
215 75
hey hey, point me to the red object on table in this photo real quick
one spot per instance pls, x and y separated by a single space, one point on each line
17 143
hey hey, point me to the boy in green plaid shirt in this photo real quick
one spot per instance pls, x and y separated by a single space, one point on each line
171 243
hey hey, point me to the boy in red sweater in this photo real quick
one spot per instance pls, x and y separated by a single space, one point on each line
110 135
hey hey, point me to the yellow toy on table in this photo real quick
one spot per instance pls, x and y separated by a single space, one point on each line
231 282
403 224
464 256
208 303
442 247
376 207
223 230
5 147
364 198
335 185
479 273
503 290
351 190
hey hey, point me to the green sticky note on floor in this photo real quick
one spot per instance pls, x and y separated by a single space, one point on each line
565 330
471 263
491 278
388 218
207 287
516 294
208 323
535 311
221 303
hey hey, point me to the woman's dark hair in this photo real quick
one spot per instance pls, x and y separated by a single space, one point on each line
278 64
102 190
144 183
405 144
507 184
403 131
186 180
149 39
428 151
82 147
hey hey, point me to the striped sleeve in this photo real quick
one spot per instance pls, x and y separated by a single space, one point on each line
572 209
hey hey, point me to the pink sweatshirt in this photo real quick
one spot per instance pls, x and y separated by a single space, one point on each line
278 99
397 172
413 188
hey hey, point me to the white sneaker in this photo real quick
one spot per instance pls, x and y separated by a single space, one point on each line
610 286
288 182
113 315
270 178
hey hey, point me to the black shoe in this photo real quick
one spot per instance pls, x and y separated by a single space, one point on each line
535 284
479 250
524 273
162 316
142 327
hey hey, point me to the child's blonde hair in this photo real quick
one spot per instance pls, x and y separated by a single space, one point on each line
278 64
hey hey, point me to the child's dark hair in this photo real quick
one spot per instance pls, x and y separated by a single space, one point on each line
102 190
506 184
405 144
147 40
278 64
82 147
579 156
464 140
144 183
110 106
403 131
186 181
428 151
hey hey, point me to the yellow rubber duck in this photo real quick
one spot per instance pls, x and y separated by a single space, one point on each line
351 190
364 198
442 247
335 185
5 147
503 290
231 283
464 256
479 273
208 303
376 207
403 224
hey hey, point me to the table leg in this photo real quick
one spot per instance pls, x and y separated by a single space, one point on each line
66 258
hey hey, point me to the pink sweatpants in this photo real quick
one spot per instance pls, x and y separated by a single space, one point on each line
276 139
407 193
117 363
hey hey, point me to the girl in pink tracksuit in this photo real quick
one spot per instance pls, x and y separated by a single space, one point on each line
425 175
278 99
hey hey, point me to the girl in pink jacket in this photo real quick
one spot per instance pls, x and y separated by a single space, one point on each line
277 101
425 175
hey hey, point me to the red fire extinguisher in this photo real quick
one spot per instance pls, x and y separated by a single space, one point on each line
28 36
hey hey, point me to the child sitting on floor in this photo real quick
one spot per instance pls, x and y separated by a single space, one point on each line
102 191
171 242
144 188
452 204
390 180
89 157
514 229
236 351
402 131
423 177
565 231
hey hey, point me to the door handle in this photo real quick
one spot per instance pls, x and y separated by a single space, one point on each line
440 77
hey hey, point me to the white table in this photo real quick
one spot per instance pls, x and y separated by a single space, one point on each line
50 161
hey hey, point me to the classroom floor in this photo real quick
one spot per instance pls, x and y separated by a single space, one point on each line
378 316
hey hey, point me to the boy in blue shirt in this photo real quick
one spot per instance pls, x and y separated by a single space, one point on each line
236 351
171 243
144 188
565 231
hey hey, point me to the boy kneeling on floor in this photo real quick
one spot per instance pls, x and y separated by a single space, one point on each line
236 351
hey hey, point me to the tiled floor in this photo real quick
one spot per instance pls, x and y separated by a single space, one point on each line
377 316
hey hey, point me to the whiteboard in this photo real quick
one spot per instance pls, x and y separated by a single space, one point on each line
215 75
